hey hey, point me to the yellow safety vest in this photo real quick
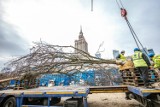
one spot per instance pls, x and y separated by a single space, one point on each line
156 60
122 57
138 60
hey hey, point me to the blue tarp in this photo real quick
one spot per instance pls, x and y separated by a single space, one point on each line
65 79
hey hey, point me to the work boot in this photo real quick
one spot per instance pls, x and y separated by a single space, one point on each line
127 96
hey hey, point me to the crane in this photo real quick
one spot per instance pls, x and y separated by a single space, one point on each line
98 53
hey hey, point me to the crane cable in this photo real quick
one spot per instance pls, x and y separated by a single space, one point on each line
121 7
135 35
130 28
119 4
91 5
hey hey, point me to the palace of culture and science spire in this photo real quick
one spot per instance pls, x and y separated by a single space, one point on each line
81 43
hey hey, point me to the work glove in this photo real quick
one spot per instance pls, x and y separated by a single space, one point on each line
119 62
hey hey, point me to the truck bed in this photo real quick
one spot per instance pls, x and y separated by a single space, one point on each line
73 90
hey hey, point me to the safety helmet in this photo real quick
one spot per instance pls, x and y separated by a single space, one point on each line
122 51
136 49
151 54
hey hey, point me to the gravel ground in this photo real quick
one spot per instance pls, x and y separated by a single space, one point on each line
110 100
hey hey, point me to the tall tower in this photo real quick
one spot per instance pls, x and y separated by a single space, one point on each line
81 42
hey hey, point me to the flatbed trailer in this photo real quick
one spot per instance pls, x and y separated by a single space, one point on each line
147 97
108 89
46 93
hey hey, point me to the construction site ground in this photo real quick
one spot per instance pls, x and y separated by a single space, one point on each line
113 100
109 100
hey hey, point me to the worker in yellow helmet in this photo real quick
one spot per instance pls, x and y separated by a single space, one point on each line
156 60
121 56
141 63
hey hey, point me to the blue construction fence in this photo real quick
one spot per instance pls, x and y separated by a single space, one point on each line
89 77
65 79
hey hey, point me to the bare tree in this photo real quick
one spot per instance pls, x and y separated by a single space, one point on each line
45 58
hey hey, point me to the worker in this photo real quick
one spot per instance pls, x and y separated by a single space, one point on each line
141 63
156 60
121 56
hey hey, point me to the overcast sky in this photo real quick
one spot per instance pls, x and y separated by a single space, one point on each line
58 22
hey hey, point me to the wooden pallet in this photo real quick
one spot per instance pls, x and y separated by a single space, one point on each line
25 84
18 88
133 77
133 84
